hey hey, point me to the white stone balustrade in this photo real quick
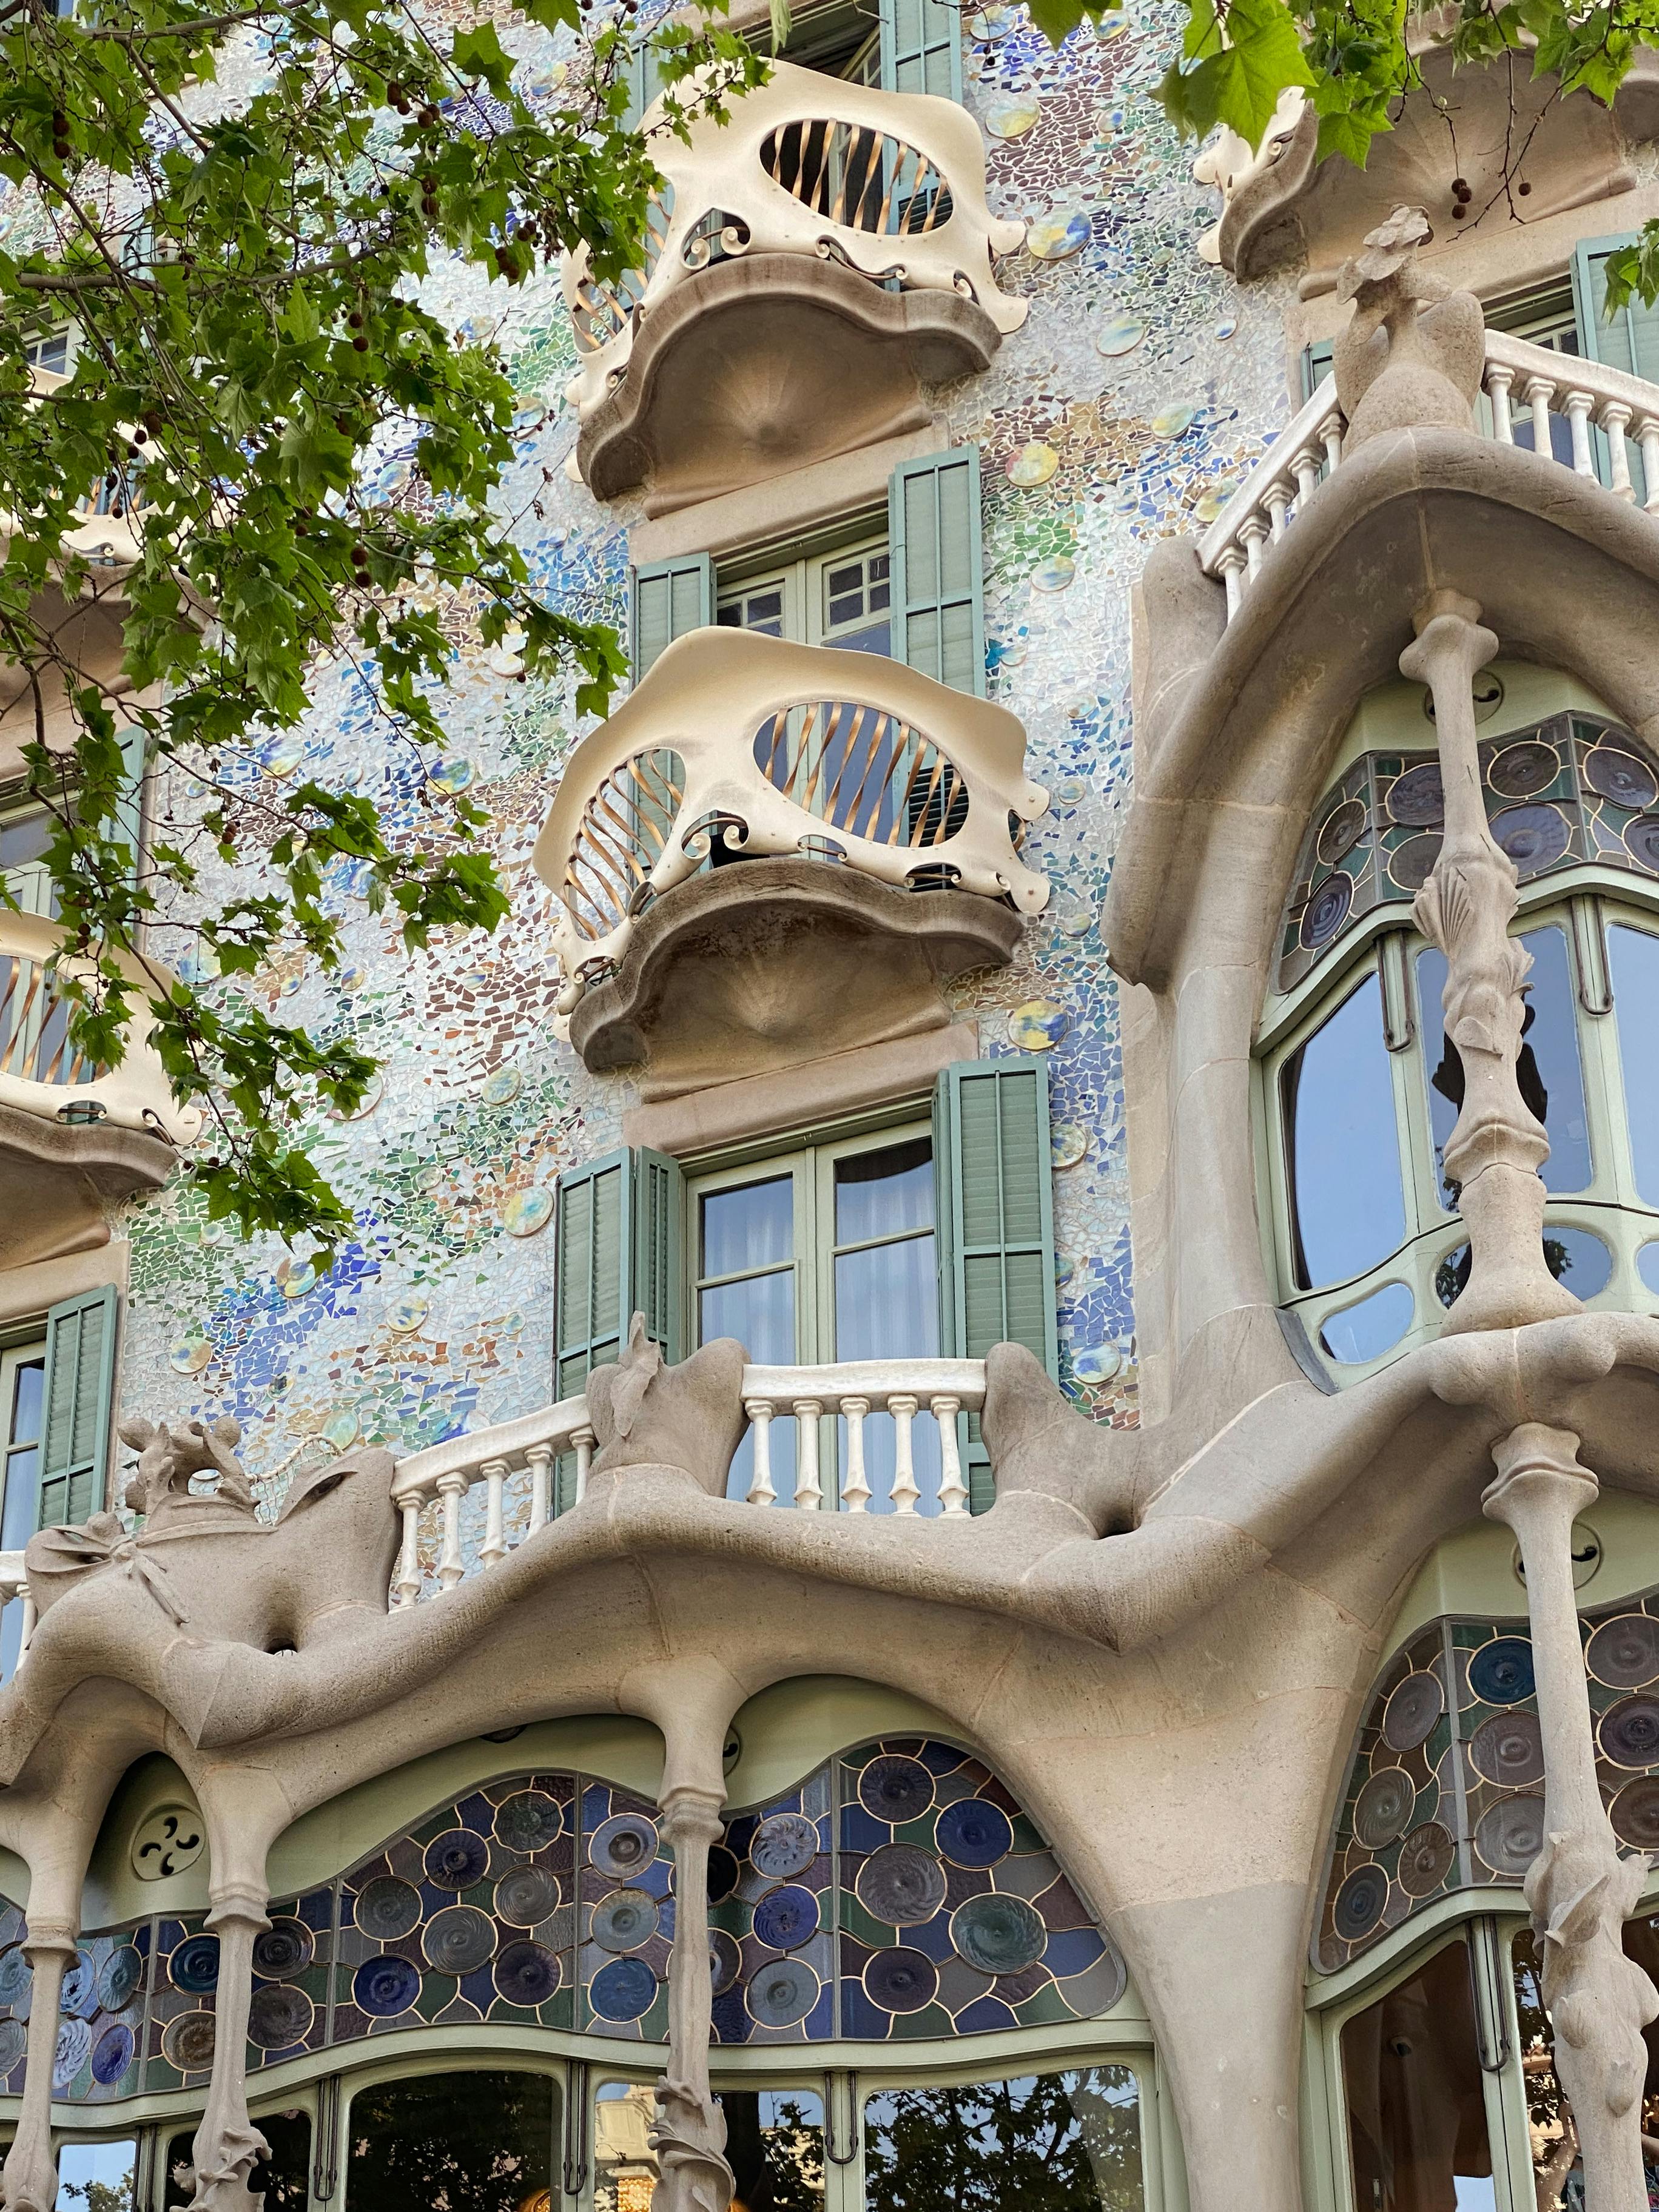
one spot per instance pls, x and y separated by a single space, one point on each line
523 1455
1523 383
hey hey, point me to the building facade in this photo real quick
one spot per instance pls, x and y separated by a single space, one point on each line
974 1516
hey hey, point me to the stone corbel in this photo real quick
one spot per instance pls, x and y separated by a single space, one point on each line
228 2146
688 2131
1580 1890
29 2181
1465 907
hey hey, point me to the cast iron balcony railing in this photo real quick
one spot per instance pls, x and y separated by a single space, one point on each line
1583 413
762 747
890 185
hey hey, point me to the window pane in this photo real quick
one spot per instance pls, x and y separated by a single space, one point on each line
1417 2116
887 1301
1445 1071
473 2141
285 2179
1047 2142
1634 958
1366 1331
759 1311
28 1397
95 2177
774 2147
1558 2170
1551 1079
879 1193
1347 1208
624 2164
753 1226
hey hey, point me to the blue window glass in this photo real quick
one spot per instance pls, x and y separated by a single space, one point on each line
1347 1204
1371 1327
1633 959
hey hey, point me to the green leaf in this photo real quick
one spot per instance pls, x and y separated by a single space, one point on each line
478 52
1263 59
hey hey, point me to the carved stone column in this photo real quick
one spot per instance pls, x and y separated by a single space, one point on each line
689 2133
1466 907
1580 1890
228 2145
30 2179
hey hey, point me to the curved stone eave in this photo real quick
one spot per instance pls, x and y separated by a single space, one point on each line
1565 573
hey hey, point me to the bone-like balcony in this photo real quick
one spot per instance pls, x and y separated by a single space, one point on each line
808 266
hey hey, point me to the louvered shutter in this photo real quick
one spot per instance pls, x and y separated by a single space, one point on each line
996 1217
938 567
667 598
1316 362
79 1404
618 1252
921 48
1628 340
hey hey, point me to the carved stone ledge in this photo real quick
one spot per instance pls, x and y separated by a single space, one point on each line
765 364
762 965
58 1180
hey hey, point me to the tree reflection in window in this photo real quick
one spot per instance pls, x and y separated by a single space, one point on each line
284 2176
1557 2171
464 2140
1347 1205
1047 2142
774 2147
1417 2112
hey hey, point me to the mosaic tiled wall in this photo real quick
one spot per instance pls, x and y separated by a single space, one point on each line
1141 387
1446 1787
900 1892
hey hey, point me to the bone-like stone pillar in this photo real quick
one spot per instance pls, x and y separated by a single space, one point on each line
1465 907
1580 1890
30 2179
228 2145
688 2132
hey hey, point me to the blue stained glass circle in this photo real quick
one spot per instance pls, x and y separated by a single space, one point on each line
194 1966
385 1987
901 1884
525 1895
14 2042
723 1873
74 2049
780 1992
285 1947
783 1846
625 1921
787 1917
111 2054
1360 1903
530 1821
622 1989
621 1846
458 1940
901 1980
15 1974
278 2015
1500 1673
387 1908
526 1973
118 1978
973 1833
79 1993
895 1790
457 1860
998 1935
725 1960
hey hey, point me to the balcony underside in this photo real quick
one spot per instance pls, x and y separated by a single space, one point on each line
765 964
763 365
56 1182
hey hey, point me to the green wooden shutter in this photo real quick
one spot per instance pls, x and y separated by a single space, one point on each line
618 1254
995 1216
938 568
667 598
921 48
1316 366
1629 340
79 1404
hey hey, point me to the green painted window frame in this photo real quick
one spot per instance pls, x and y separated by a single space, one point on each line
82 1334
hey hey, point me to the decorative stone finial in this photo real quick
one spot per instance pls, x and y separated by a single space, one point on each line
168 1459
1411 358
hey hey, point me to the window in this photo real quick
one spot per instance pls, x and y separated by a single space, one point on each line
285 2176
1049 2142
1558 2170
1418 2138
841 598
26 832
477 2140
773 2146
96 2177
22 1415
51 352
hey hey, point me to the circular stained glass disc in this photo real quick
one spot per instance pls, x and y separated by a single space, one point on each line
526 1973
1612 772
383 1987
118 1978
1417 800
388 1908
1534 837
901 1884
1635 1813
786 1917
725 1959
621 1846
278 2014
1360 1903
526 1895
896 1789
1326 911
14 2042
1642 842
1413 1709
111 2054
1508 1836
780 1992
15 1974
1523 770
998 1935
457 1859
1412 864
625 1921
1509 1749
1426 1859
902 1980
1629 1732
784 1846
285 1947
1500 1673
458 1940
1623 1652
528 1822
1340 831
1385 1807
194 1966
78 1993
973 1832
188 2043
724 1871
73 2048
623 1989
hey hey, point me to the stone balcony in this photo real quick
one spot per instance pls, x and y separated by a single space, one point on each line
810 266
756 824
74 1138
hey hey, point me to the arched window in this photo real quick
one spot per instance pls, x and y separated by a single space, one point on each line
1361 1088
